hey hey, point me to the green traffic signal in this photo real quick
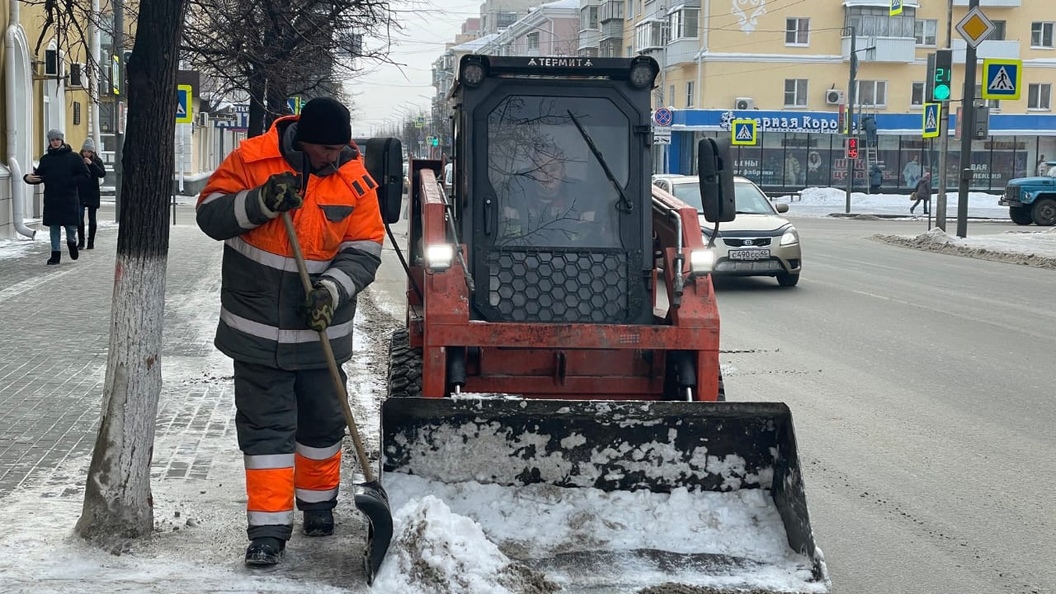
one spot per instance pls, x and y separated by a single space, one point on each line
942 92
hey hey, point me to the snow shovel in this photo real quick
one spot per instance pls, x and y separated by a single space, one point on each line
370 497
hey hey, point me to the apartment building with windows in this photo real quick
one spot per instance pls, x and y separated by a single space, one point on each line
786 64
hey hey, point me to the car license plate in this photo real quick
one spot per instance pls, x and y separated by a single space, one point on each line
749 254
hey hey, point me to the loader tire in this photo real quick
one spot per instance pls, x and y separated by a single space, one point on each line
405 367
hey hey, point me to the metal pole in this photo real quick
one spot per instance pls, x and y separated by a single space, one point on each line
850 118
944 137
119 133
94 95
967 134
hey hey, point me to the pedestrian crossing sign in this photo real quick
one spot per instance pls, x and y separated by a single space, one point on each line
932 118
742 133
1002 79
184 109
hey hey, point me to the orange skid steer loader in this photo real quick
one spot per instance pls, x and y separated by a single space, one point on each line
562 346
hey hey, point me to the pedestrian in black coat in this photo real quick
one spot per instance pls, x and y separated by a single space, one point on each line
61 171
922 193
89 192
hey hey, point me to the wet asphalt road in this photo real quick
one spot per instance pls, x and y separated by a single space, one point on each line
921 389
922 394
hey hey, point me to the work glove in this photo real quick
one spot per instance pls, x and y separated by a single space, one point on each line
282 192
319 305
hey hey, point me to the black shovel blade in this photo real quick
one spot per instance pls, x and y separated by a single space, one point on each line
371 499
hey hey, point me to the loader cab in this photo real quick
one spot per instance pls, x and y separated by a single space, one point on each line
552 187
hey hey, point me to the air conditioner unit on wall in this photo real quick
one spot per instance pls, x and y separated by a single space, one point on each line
744 103
834 97
78 76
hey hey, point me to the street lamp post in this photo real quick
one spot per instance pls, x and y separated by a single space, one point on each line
850 116
967 133
851 98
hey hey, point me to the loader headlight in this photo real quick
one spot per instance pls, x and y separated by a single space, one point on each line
642 74
701 261
473 74
438 258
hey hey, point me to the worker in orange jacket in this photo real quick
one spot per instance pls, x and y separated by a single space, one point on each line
289 419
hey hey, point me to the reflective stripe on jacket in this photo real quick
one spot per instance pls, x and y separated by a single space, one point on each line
340 230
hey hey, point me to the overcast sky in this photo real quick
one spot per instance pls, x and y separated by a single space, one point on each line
388 92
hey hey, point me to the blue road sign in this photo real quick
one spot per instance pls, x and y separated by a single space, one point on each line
1002 79
743 132
932 120
295 104
184 107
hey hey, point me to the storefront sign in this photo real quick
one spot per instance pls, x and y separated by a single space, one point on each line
780 122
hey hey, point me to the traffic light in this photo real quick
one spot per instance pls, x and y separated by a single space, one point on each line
852 148
943 75
436 141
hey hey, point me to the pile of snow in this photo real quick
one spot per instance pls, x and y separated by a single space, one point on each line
1031 248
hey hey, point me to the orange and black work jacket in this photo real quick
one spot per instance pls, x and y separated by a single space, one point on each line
339 226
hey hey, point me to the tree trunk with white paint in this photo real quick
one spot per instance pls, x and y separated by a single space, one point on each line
117 498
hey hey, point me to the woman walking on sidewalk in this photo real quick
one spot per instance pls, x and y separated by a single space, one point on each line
61 171
922 193
89 192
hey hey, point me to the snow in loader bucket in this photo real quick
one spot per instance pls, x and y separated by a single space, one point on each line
603 496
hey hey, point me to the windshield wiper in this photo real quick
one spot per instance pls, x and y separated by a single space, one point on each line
624 204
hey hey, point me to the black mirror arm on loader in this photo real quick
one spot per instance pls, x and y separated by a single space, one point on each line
624 205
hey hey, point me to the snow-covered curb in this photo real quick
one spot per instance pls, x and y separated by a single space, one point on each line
1037 248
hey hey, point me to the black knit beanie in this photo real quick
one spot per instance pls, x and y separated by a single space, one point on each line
324 121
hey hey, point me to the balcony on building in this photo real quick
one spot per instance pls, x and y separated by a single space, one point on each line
992 3
589 39
884 49
650 39
890 38
989 49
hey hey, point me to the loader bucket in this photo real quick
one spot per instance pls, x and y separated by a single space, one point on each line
715 490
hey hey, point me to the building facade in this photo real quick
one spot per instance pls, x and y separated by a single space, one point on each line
786 65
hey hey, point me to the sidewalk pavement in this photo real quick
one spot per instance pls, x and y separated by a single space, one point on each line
54 334
54 321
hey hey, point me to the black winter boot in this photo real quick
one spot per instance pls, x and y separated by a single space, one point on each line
264 551
55 257
91 236
80 235
318 522
73 249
